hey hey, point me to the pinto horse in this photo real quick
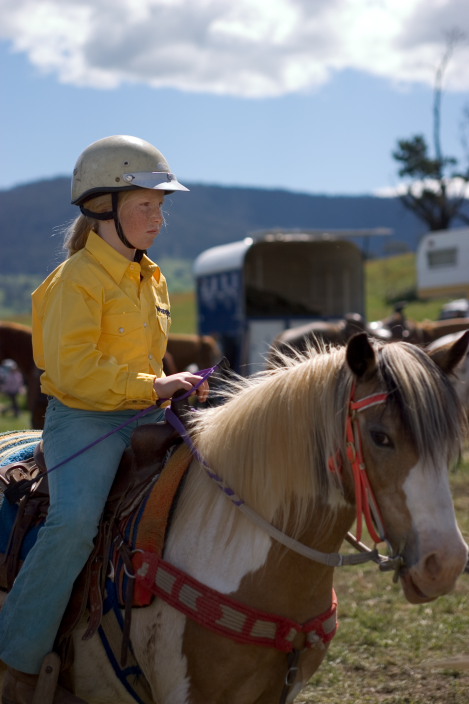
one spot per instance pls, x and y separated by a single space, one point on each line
244 609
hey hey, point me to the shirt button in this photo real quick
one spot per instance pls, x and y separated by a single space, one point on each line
145 325
150 356
121 329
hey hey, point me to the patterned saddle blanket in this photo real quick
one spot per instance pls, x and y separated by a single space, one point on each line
15 447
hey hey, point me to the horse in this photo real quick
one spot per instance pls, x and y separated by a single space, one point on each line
193 351
434 329
395 327
16 343
245 610
316 333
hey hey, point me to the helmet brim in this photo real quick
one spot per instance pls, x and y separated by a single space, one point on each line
155 180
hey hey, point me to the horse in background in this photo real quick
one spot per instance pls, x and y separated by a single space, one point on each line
193 351
398 327
393 328
315 334
16 343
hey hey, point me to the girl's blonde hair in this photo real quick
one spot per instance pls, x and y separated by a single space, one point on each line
76 234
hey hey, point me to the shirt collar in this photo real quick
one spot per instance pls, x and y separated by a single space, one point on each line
115 263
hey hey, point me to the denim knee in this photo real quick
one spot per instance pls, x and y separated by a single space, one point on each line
73 524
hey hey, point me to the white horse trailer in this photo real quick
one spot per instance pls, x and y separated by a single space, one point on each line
443 264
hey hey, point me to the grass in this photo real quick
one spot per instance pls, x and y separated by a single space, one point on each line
183 313
8 421
393 279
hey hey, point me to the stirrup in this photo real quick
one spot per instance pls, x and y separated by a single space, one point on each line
47 682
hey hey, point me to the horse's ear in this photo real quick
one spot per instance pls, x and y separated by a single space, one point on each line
448 356
360 355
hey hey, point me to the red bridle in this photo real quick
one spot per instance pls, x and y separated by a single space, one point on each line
366 504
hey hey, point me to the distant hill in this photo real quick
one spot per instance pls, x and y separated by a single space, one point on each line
33 215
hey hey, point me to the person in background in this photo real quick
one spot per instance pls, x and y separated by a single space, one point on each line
100 328
11 384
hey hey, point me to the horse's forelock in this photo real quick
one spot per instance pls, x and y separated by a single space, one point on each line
425 400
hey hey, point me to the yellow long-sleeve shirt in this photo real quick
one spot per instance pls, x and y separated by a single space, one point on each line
100 328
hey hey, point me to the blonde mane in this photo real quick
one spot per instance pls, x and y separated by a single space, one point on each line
424 399
273 436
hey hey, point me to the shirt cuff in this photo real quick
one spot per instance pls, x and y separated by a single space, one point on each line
140 388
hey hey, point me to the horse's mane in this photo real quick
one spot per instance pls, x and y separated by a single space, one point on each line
425 400
272 439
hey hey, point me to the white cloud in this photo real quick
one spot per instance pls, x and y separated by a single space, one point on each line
244 48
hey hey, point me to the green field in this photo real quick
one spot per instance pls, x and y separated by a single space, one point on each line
394 279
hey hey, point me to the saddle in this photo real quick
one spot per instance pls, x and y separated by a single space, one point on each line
138 474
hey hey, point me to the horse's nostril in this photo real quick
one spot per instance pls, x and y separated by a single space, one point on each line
432 566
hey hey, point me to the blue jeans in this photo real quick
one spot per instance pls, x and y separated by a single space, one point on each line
33 610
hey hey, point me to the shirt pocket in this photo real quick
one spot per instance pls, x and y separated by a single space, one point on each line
122 334
121 323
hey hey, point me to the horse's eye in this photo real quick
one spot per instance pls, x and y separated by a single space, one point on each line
381 439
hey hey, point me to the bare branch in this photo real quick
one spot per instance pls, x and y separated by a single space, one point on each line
454 37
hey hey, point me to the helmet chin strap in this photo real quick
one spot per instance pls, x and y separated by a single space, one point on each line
113 215
117 223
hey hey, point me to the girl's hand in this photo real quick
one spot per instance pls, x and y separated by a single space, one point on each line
167 386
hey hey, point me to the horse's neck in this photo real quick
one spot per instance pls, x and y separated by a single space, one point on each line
211 539
215 543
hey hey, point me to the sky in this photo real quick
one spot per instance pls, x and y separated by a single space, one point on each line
303 95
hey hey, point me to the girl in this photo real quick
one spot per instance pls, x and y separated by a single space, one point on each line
100 328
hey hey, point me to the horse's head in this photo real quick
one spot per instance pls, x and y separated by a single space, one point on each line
409 439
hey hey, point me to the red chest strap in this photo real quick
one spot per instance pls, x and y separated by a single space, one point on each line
226 616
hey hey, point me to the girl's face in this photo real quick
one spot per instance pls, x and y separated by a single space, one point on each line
141 216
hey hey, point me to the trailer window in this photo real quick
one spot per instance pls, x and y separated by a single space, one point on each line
442 257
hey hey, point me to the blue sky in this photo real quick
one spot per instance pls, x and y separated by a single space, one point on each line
307 95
